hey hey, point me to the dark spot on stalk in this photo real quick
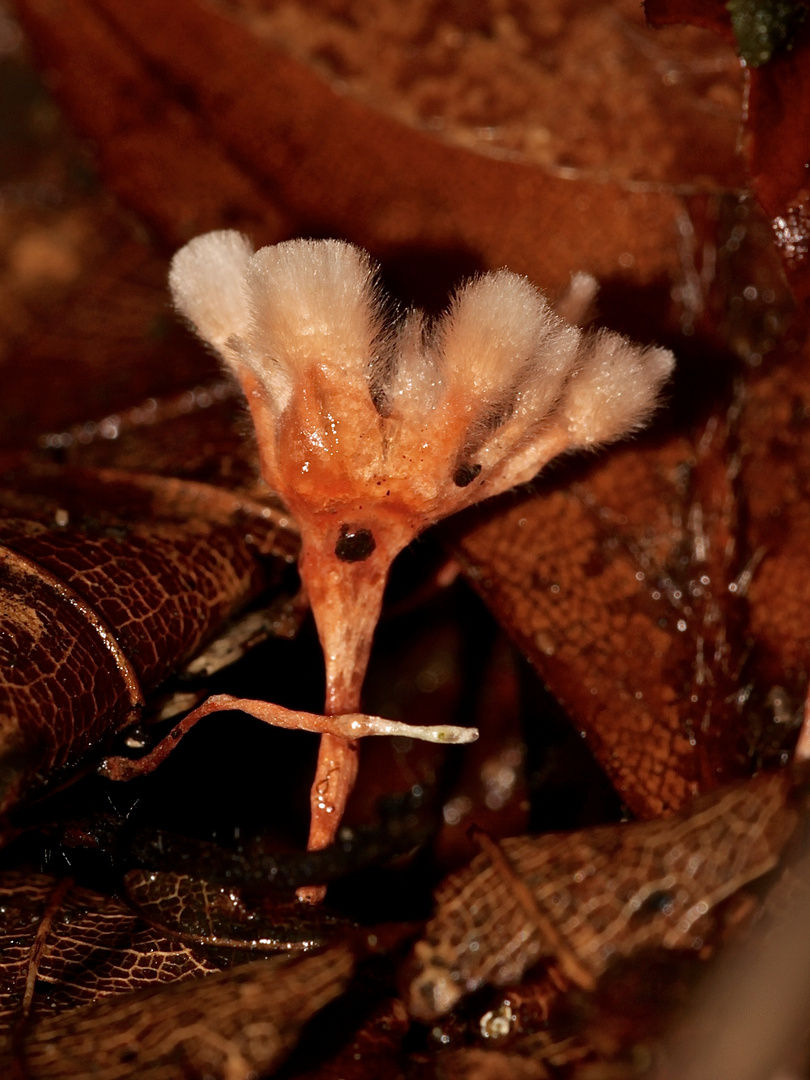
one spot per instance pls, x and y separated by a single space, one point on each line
354 545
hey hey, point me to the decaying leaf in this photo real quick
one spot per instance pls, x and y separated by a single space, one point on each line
231 1025
584 900
100 605
589 586
91 946
81 969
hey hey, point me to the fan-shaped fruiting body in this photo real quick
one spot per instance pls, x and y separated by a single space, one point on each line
372 425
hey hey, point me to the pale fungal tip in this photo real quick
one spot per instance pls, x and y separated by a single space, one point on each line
446 733
359 409
455 735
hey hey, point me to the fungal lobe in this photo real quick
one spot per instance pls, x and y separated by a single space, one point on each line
366 425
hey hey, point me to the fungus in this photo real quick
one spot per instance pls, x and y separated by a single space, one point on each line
374 425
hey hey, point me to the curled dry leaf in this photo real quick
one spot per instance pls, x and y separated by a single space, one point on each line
99 606
583 900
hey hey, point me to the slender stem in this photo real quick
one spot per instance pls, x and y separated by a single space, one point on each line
346 599
343 730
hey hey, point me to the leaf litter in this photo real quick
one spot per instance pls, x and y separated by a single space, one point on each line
716 491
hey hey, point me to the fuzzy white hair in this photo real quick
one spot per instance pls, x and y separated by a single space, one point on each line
282 309
449 413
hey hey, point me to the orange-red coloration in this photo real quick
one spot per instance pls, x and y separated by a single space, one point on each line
372 429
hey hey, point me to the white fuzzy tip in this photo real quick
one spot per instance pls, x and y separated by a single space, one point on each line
359 725
207 280
388 425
